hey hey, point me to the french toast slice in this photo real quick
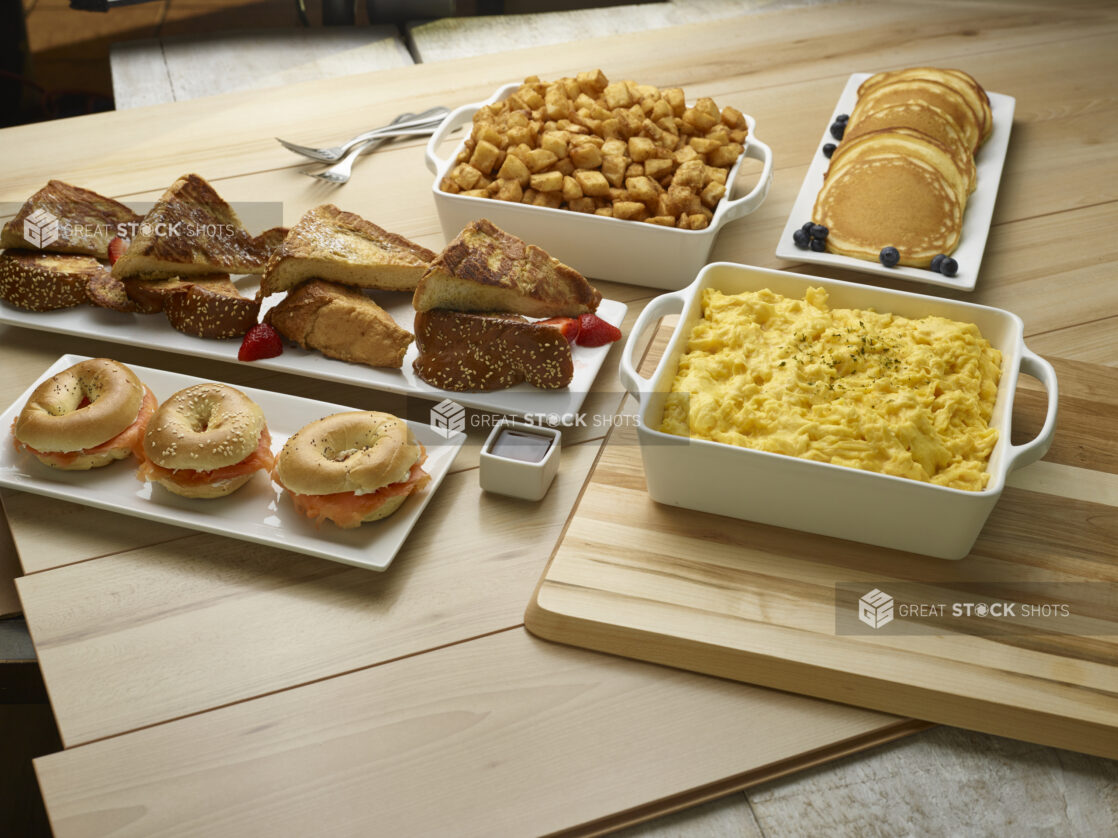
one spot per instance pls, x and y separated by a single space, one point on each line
208 306
151 295
86 221
37 281
343 247
216 311
487 269
191 230
479 351
340 322
106 291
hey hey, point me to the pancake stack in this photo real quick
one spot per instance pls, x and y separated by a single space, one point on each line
905 167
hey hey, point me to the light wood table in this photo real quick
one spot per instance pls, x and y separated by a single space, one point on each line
203 686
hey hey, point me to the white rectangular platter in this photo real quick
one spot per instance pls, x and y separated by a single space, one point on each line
976 220
257 512
153 330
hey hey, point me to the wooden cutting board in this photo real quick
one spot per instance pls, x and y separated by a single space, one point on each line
758 604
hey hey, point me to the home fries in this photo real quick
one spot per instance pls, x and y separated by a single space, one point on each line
903 397
623 150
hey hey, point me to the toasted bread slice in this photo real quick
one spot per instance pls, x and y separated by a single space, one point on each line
340 323
342 247
270 240
467 351
202 306
214 311
106 291
36 281
86 221
191 230
150 295
487 269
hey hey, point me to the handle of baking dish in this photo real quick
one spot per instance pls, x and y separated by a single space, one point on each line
660 306
458 116
1021 455
748 203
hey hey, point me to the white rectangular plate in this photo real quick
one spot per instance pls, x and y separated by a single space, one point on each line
257 511
976 220
153 330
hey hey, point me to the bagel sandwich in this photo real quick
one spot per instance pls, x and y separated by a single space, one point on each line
206 441
351 468
85 417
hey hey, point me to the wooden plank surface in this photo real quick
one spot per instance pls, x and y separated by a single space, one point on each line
757 603
517 718
9 570
256 616
787 73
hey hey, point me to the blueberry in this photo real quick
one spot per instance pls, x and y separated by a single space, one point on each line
828 149
818 231
937 260
806 226
818 245
801 239
842 118
889 257
838 129
948 267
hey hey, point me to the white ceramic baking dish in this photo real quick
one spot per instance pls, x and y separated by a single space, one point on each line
597 246
819 497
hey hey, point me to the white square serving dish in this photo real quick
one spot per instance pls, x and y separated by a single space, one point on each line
818 497
599 247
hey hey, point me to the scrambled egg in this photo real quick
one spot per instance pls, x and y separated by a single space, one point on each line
910 398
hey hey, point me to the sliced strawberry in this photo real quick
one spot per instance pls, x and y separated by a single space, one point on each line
594 331
567 325
261 341
116 249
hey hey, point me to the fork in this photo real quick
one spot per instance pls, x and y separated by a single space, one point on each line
428 119
340 172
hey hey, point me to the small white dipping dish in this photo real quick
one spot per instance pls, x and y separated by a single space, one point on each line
520 459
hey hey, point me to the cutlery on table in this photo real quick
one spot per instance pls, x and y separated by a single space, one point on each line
340 172
429 119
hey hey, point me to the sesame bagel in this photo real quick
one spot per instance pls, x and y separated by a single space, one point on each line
206 441
358 451
351 467
85 416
